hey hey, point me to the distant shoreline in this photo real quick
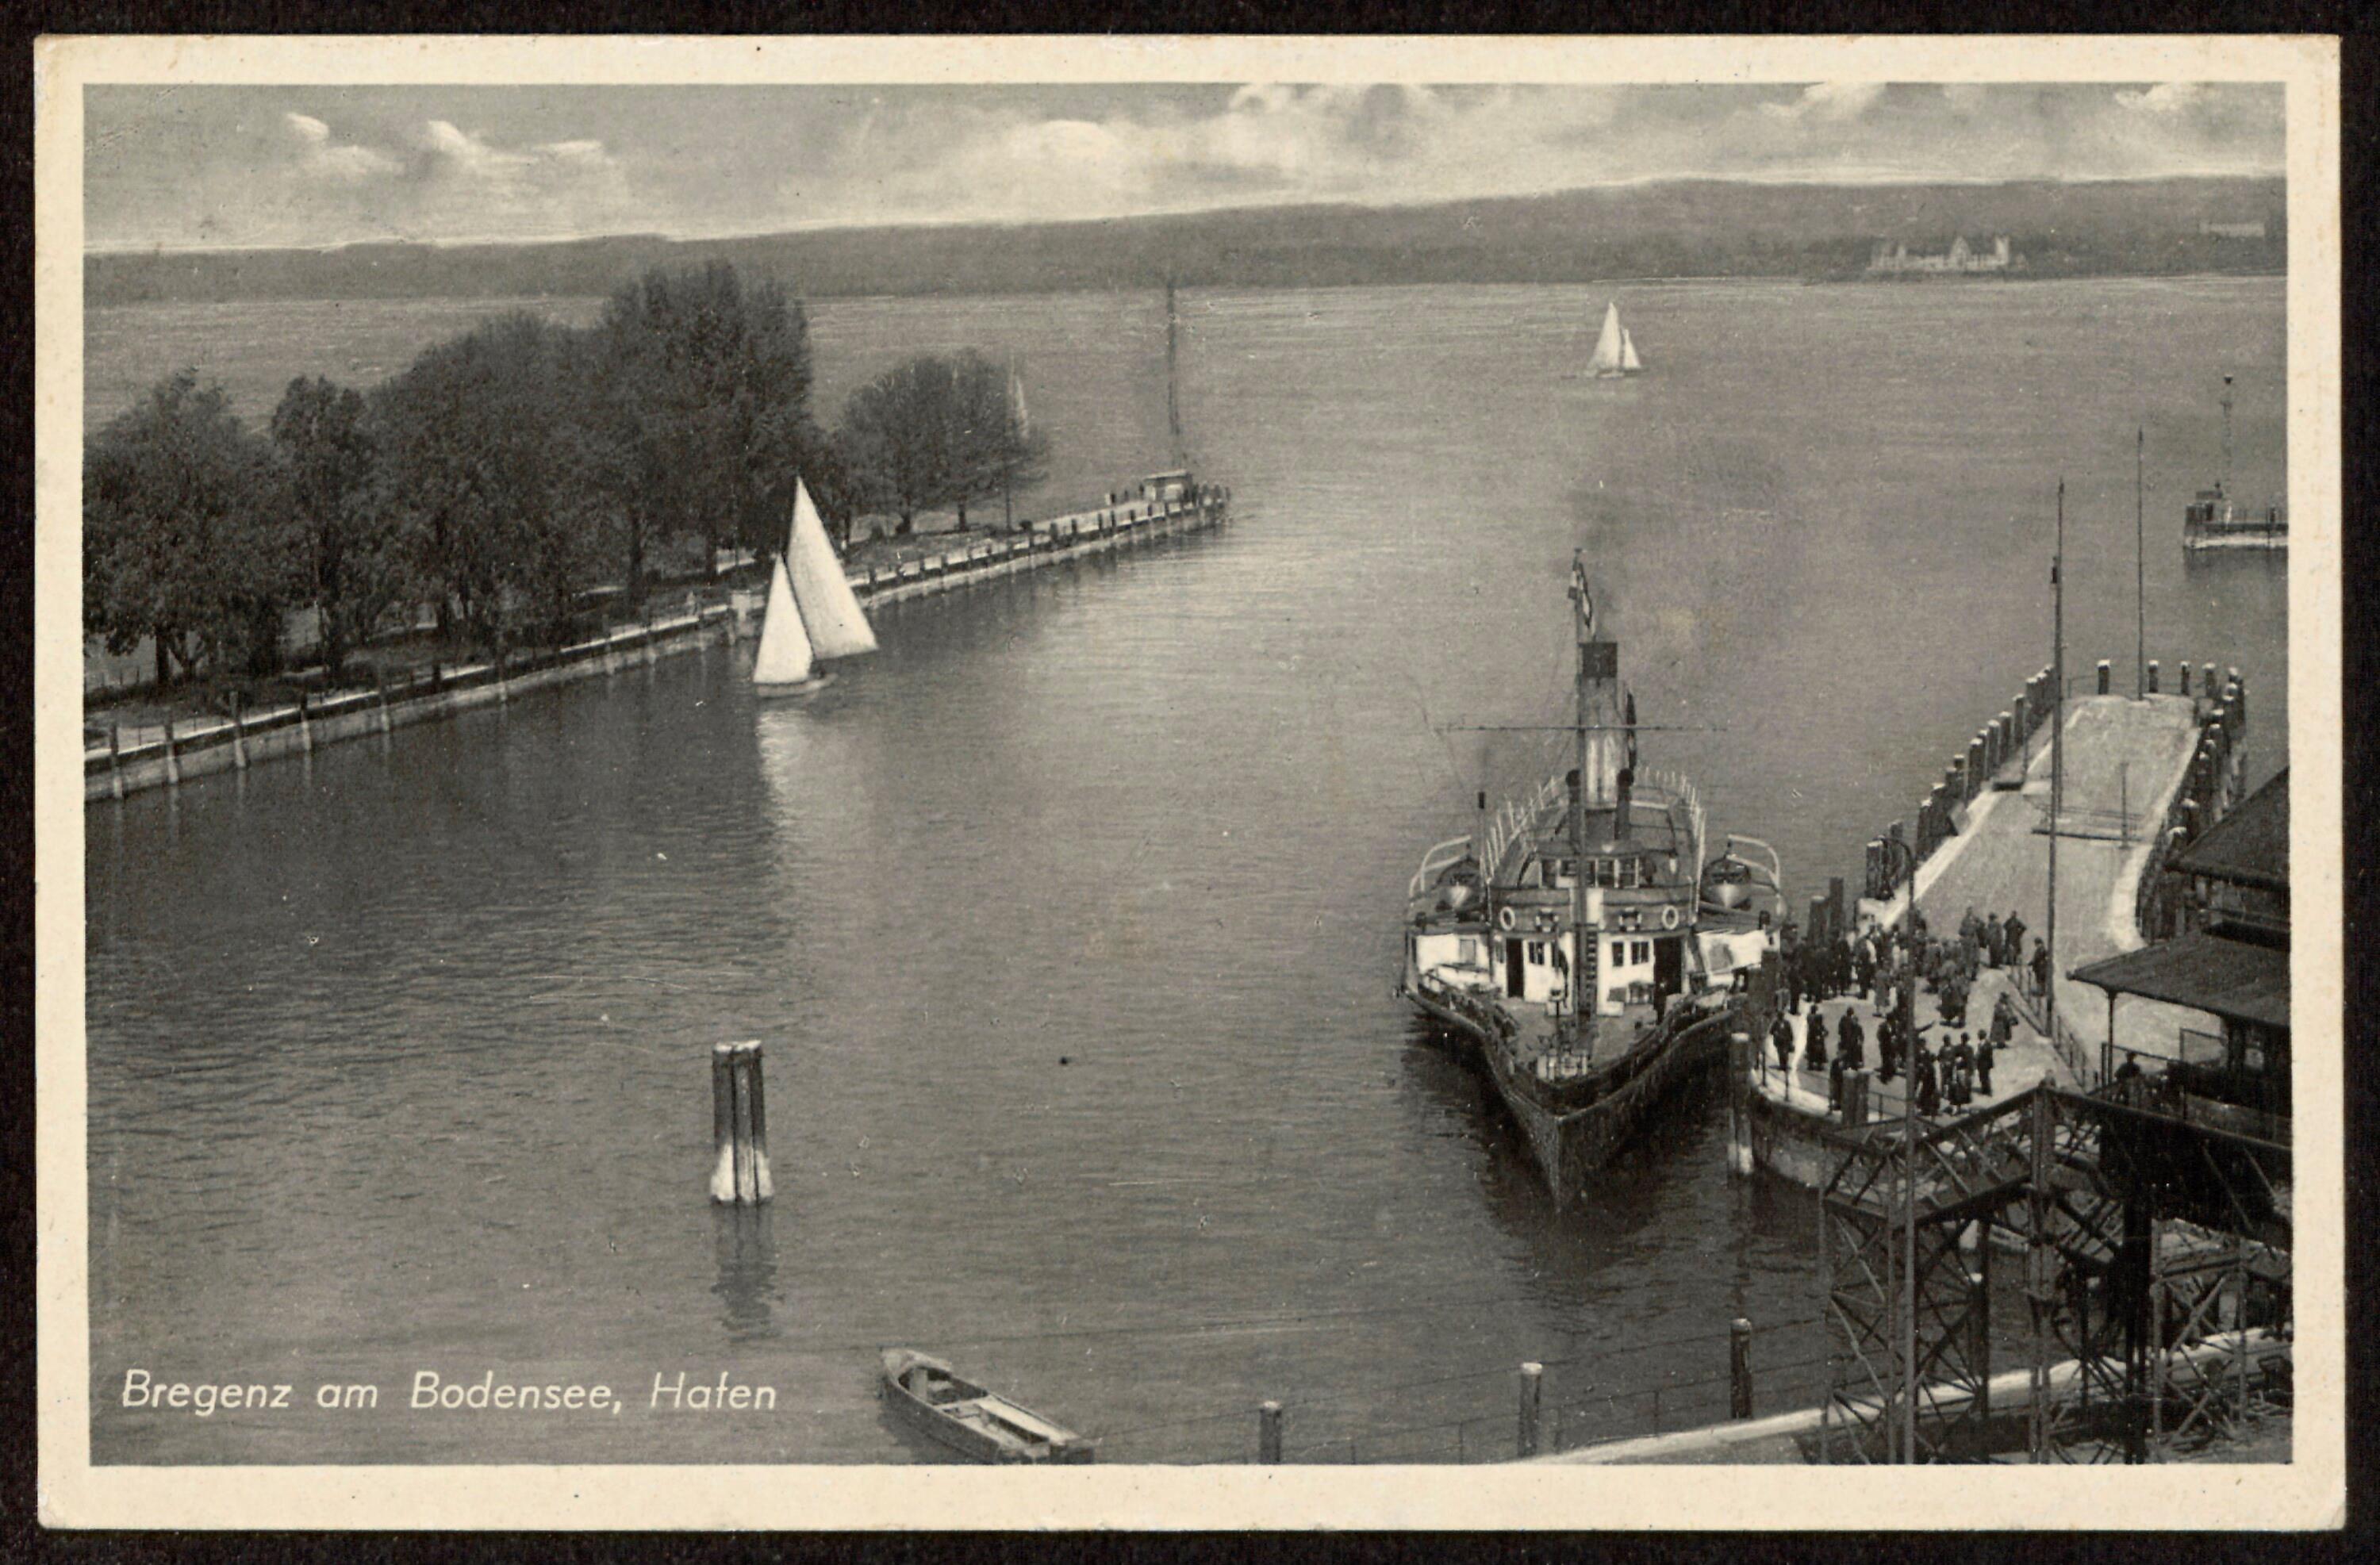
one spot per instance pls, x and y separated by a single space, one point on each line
1701 230
1688 280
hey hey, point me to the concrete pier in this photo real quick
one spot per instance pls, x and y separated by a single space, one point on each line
2126 763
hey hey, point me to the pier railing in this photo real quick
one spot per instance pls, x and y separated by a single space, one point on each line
1613 1392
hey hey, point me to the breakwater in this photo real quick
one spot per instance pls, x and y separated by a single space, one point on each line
187 749
1130 518
192 748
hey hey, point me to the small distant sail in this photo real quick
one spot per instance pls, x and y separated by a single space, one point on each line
838 626
1629 363
1607 347
784 656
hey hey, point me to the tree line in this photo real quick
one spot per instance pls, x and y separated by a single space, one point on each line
507 471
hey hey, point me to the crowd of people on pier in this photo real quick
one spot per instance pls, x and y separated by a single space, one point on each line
1884 966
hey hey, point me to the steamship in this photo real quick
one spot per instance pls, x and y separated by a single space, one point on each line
1581 941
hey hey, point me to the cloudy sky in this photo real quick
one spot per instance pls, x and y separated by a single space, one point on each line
215 165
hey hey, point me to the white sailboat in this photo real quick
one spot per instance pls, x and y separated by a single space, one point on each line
784 664
829 610
1629 363
1607 362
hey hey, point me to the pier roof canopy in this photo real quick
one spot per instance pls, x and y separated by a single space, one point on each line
2250 846
2235 980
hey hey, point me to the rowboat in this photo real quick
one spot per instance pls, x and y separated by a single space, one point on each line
929 1396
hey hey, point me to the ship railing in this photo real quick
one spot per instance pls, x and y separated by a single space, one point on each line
1451 850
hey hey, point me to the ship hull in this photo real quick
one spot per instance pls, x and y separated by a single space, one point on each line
1570 1144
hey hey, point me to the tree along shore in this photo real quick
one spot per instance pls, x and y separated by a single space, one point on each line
510 486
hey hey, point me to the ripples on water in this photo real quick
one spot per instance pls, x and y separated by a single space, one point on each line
1069 919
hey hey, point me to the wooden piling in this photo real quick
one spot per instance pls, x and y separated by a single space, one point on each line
2153 676
1533 1381
238 736
2184 667
305 724
173 758
1269 1433
115 760
1738 1370
2105 676
722 1123
753 1105
379 684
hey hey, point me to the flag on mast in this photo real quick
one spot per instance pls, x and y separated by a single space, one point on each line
1580 594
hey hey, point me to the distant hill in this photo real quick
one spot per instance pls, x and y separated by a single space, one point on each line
1683 229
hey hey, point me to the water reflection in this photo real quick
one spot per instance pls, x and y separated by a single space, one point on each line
747 1256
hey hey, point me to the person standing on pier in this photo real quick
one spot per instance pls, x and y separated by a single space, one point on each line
1888 1046
1814 1053
2013 934
1864 965
1962 1066
1984 1051
1992 940
1854 1042
1835 1086
1781 1033
1927 1086
2040 968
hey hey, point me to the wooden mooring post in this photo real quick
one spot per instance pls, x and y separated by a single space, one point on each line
380 687
1268 1434
739 1126
1533 1384
115 760
1738 1370
173 758
238 736
305 724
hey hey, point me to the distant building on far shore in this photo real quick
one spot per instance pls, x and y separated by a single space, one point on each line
1889 257
2232 230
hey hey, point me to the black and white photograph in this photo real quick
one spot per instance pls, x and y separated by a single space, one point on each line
808 765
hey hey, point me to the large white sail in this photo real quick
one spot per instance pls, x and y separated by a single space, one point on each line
838 628
1629 363
784 655
1607 347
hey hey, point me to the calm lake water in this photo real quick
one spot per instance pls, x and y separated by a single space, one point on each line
1069 920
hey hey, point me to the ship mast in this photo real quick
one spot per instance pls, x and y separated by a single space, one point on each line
1583 611
2224 486
1172 376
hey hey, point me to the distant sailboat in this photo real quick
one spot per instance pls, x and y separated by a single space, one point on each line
784 664
829 610
1629 363
1609 361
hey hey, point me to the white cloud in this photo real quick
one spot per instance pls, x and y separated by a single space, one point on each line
2165 98
323 159
1827 100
